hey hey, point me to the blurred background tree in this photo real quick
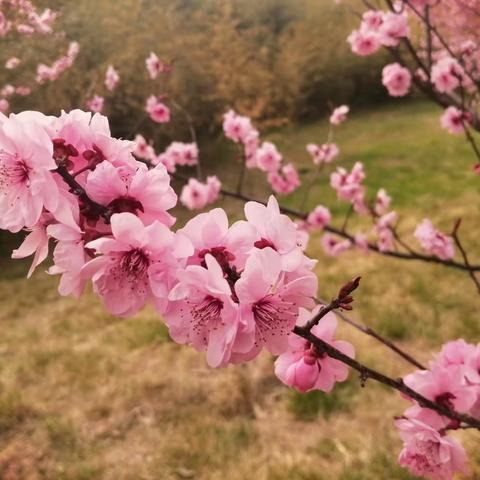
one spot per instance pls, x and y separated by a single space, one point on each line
275 60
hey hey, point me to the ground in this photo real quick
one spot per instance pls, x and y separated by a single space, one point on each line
84 395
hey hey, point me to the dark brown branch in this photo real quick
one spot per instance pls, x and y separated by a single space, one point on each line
366 373
459 244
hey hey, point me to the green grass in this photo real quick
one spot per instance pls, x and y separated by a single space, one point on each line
84 395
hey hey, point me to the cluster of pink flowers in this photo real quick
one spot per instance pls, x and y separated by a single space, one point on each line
433 241
339 115
348 185
324 153
226 290
51 73
452 380
376 29
282 177
22 17
196 195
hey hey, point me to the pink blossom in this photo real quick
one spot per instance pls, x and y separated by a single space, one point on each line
382 202
210 234
236 127
444 385
269 302
12 63
96 103
457 352
348 185
303 367
35 243
26 182
143 192
324 153
7 90
155 66
396 79
333 246
179 153
319 217
446 75
428 453
111 78
268 157
361 242
454 120
4 105
393 28
339 115
136 266
196 195
23 91
250 144
142 148
202 312
372 20
433 241
284 181
157 110
276 231
363 43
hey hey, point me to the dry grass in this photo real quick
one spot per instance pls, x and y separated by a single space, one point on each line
84 395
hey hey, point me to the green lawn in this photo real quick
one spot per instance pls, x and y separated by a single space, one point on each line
84 395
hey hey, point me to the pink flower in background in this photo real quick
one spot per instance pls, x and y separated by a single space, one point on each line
143 192
446 75
457 352
111 78
157 110
284 181
7 90
23 91
4 105
268 157
138 265
394 27
382 202
363 43
361 242
250 144
26 182
339 115
428 453
433 241
12 63
95 104
143 149
269 302
303 367
319 217
454 120
348 185
155 66
236 127
182 154
196 195
396 79
325 153
202 312
372 20
333 246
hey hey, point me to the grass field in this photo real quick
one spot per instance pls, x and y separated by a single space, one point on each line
84 395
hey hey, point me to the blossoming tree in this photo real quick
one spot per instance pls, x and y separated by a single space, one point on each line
232 290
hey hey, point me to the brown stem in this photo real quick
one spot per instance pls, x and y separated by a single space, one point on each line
459 244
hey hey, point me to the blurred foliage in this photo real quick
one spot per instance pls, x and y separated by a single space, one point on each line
274 60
